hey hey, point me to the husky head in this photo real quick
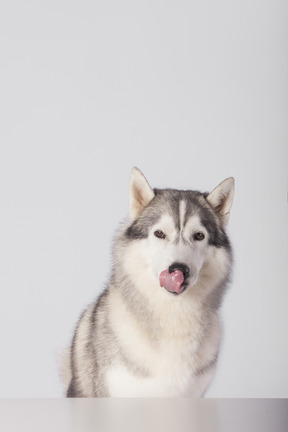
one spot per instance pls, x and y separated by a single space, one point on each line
181 234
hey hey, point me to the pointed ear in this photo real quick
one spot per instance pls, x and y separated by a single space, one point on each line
141 192
221 199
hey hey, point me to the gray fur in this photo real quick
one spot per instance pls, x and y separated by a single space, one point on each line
96 347
197 203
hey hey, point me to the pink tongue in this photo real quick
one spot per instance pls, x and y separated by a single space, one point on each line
172 281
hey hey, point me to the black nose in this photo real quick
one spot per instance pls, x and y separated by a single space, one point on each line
182 267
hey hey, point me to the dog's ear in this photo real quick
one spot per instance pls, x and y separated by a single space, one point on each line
141 193
221 199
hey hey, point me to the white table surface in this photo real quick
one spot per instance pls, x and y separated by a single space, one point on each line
231 415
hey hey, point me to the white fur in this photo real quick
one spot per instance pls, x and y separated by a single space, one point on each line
141 192
182 211
160 253
189 339
174 354
222 196
172 364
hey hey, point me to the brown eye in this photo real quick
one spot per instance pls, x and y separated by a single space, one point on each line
199 236
160 234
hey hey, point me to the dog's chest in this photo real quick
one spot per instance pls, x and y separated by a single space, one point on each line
168 371
121 382
163 363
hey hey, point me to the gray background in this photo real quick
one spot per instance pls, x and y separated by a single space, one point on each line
191 92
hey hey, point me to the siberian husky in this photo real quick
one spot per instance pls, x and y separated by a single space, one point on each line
155 330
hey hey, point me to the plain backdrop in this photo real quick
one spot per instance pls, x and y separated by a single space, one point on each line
191 93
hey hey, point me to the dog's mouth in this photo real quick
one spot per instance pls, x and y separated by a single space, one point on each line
173 282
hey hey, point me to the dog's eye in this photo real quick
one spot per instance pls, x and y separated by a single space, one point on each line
160 234
199 236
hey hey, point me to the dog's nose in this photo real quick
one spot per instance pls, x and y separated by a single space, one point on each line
182 267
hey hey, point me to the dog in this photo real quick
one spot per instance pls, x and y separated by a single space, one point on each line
155 331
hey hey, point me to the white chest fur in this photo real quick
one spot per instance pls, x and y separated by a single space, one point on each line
122 383
174 356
